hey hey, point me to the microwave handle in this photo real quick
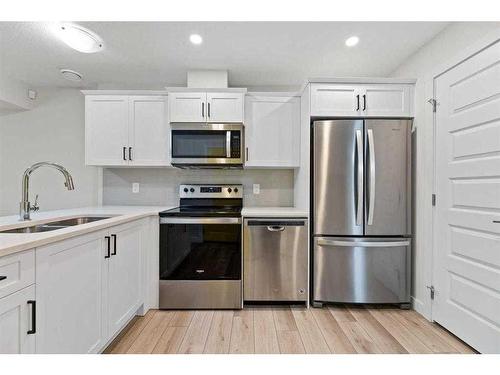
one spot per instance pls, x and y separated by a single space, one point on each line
228 144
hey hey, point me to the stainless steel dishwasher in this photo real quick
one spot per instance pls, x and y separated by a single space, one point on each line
275 255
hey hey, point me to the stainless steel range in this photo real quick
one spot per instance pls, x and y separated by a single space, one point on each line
200 249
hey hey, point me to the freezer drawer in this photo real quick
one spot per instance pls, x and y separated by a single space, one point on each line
275 264
361 270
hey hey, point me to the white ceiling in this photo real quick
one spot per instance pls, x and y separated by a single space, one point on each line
155 54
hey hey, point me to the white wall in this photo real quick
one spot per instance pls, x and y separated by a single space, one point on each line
52 131
440 50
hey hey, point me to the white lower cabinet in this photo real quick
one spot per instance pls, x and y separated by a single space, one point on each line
17 325
88 288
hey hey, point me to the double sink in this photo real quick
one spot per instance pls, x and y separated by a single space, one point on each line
54 225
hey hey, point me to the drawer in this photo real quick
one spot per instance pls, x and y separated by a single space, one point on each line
17 271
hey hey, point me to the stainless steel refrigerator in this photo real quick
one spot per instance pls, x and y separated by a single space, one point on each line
361 210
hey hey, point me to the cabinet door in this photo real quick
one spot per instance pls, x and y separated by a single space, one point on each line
335 100
15 322
149 131
106 129
272 131
225 107
386 101
70 286
187 106
124 276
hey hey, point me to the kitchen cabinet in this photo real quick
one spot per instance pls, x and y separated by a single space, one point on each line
272 131
361 100
88 288
17 327
210 107
126 130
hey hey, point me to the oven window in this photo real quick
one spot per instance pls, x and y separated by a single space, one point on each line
200 252
198 144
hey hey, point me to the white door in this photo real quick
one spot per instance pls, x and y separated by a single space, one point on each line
106 130
225 107
272 131
386 101
187 106
124 276
17 324
467 216
335 100
149 131
70 309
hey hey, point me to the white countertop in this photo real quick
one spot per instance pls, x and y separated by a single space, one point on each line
273 212
15 242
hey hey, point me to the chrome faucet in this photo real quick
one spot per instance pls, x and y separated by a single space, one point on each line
25 206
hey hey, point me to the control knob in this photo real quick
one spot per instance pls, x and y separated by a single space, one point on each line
235 190
229 190
191 190
185 190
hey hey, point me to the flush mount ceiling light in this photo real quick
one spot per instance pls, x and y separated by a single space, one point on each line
79 38
352 41
71 75
196 39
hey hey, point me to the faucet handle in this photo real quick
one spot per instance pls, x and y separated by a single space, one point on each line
35 206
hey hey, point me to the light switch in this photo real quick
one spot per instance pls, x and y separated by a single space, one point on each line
256 188
135 187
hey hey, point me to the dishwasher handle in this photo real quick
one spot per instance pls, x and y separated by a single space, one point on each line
276 223
275 228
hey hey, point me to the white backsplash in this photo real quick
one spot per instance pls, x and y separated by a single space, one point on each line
160 186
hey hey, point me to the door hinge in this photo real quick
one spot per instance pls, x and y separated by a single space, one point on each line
434 104
432 291
433 199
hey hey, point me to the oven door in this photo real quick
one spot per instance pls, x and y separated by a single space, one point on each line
200 263
206 144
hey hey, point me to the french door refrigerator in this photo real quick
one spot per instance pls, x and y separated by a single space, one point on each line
361 209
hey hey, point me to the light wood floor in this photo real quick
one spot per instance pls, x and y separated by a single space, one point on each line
286 330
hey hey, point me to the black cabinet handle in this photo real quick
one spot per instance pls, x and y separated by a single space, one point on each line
3 278
130 153
364 102
208 110
247 153
357 100
32 331
114 244
203 110
124 152
495 221
108 247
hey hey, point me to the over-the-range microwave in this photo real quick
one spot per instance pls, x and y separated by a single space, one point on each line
200 145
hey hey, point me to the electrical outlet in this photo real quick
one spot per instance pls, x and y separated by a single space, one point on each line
256 188
135 187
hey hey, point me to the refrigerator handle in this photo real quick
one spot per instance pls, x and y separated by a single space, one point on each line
371 199
363 244
359 179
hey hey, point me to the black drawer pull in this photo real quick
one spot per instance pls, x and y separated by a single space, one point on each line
3 278
32 331
108 247
114 244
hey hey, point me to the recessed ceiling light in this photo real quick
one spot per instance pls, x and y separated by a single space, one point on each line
71 75
196 39
79 38
352 41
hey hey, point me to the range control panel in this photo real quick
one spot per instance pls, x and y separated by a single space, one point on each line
210 191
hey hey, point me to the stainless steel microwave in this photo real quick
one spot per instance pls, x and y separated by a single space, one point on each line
207 145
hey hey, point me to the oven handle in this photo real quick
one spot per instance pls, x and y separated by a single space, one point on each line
200 220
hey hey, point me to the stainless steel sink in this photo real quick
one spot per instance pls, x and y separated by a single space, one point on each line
54 225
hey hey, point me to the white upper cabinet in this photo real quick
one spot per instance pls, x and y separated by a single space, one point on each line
335 100
208 107
225 107
387 100
272 131
361 100
123 130
149 135
106 130
187 106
